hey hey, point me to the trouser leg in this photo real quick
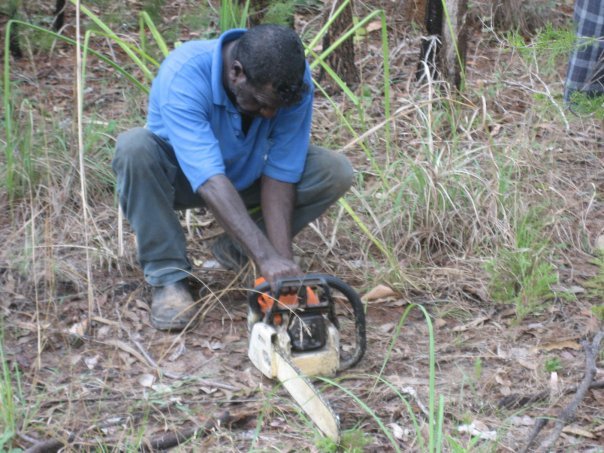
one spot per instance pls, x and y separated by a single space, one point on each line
326 177
151 186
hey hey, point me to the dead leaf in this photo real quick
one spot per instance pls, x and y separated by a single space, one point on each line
577 431
146 380
178 351
374 26
528 364
379 292
564 344
161 388
142 305
439 322
600 243
213 345
495 129
126 348
554 385
79 329
208 390
386 328
397 303
478 429
525 420
397 431
471 325
91 361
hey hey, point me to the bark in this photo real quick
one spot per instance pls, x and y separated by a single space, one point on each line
431 43
455 42
342 59
13 43
443 50
59 15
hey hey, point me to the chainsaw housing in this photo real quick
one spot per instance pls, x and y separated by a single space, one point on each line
298 321
266 339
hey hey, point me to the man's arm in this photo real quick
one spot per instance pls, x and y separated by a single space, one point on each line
225 203
277 200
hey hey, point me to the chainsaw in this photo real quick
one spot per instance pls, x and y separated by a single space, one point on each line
295 334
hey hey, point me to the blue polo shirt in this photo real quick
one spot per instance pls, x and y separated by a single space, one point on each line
189 108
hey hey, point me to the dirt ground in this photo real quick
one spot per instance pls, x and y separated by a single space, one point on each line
111 381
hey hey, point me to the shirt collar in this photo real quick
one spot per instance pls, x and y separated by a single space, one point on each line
219 95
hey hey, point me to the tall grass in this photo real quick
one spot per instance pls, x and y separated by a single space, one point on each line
9 405
441 185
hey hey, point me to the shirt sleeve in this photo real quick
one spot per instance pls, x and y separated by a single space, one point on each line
185 114
290 138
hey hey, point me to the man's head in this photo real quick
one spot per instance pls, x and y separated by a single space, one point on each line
267 70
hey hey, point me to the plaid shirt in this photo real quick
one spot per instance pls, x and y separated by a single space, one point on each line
586 64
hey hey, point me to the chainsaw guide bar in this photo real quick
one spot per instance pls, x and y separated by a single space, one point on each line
294 334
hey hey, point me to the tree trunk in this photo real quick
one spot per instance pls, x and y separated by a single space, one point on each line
431 43
455 43
444 49
342 58
59 15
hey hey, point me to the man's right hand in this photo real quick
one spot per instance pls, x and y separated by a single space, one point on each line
277 267
225 203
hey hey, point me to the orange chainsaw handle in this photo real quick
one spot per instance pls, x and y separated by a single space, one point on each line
266 301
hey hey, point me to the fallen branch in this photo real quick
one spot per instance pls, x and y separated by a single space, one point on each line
159 443
516 401
591 353
50 446
171 440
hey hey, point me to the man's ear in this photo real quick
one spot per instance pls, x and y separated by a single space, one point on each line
237 74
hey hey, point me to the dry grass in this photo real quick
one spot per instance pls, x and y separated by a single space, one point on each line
460 174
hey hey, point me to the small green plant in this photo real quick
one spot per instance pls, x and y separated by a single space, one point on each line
280 12
351 441
598 312
595 285
8 405
584 104
552 364
232 14
457 447
477 369
521 273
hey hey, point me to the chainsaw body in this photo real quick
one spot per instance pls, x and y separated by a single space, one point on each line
265 339
299 323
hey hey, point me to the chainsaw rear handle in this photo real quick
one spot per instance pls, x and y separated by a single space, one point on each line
326 282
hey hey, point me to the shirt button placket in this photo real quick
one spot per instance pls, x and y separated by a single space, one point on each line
237 125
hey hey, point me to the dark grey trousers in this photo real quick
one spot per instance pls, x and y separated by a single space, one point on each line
151 187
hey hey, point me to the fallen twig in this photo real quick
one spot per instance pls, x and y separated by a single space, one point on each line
173 439
516 401
591 352
49 446
162 442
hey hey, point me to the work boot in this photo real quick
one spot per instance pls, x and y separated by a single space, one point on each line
172 306
229 254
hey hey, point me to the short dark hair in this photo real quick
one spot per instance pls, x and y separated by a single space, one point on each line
273 54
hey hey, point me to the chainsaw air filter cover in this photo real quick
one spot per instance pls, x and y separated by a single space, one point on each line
307 332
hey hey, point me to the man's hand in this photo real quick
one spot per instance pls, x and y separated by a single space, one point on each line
225 203
274 269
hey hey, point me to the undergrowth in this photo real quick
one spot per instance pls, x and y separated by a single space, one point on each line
444 178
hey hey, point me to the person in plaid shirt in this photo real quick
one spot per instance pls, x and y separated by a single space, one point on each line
586 65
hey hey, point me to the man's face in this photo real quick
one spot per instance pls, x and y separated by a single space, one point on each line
251 100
